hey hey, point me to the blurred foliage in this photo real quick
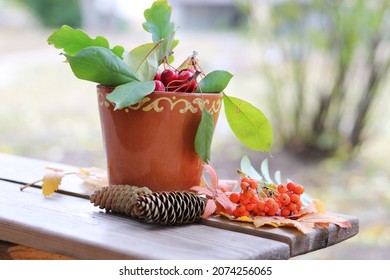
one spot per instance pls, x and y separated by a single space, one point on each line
325 63
55 13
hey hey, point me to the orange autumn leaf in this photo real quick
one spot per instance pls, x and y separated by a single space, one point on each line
51 180
324 219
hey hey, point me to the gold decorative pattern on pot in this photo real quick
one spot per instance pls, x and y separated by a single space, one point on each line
215 106
156 106
147 105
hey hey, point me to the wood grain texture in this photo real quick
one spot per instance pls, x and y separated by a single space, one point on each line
298 242
73 227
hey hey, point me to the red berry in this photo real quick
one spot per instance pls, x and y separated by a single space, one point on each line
271 212
299 189
249 207
261 206
253 184
285 212
248 193
245 179
295 198
290 186
187 82
235 213
234 197
168 76
158 85
282 188
284 198
240 209
273 207
157 76
246 213
244 185
185 75
254 199
292 206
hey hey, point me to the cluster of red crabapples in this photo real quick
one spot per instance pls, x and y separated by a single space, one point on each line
254 200
179 81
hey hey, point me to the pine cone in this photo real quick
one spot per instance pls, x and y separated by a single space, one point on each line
119 198
170 208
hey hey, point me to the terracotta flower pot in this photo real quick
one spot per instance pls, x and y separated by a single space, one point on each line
152 143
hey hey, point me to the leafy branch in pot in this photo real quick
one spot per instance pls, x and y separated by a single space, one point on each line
136 74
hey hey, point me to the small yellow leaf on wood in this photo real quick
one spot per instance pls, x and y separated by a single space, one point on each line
51 180
244 219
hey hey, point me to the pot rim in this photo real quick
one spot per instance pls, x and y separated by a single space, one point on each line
99 86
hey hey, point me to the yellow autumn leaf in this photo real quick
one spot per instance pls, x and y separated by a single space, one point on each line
283 222
51 180
244 219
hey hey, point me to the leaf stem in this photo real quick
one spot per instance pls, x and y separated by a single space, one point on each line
40 180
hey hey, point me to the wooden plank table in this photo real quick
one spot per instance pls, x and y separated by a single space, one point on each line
67 226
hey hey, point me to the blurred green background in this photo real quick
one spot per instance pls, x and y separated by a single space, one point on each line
319 70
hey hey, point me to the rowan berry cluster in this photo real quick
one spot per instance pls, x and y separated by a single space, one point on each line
266 200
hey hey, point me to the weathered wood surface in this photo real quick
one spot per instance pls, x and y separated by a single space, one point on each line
73 227
68 214
299 243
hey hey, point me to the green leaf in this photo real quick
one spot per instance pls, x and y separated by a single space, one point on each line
204 136
130 93
247 167
100 65
74 40
158 23
143 61
248 123
158 20
214 82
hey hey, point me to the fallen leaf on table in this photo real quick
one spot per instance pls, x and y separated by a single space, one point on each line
324 219
93 176
281 221
215 193
209 209
51 180
306 221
